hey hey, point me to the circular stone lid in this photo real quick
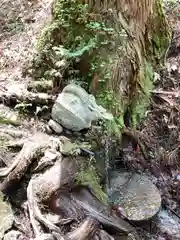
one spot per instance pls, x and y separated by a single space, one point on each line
137 195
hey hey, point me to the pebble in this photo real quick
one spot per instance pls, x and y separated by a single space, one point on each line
13 235
45 236
48 130
55 126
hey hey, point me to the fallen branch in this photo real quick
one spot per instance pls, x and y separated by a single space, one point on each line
172 102
45 236
173 93
12 98
103 213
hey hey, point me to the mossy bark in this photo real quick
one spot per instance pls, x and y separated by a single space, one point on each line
121 79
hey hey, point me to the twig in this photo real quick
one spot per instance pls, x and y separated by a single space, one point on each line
171 210
176 94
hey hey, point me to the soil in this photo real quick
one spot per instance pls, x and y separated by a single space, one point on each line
20 25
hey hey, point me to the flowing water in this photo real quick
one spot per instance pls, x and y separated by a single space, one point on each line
107 164
109 153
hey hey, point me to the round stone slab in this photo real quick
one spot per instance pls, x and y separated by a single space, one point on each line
137 195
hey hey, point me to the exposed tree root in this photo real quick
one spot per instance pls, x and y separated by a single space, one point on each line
14 133
44 237
103 235
33 148
42 187
60 176
86 231
12 98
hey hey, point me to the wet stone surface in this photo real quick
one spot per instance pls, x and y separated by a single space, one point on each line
168 225
136 194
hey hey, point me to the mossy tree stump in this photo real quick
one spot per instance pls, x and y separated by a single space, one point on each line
109 46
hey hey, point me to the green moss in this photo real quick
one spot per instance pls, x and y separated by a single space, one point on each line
4 120
1 196
141 100
46 37
81 38
159 35
3 142
87 176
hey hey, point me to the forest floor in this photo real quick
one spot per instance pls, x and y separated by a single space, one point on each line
20 24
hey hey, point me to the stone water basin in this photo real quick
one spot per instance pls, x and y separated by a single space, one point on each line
135 194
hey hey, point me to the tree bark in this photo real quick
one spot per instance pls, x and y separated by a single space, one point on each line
148 36
135 35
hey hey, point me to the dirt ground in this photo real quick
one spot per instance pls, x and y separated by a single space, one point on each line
20 23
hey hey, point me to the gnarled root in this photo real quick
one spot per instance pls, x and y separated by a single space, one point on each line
45 185
33 148
35 212
87 230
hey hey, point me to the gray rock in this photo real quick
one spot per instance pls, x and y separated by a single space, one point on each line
75 109
55 126
8 116
68 132
136 194
6 217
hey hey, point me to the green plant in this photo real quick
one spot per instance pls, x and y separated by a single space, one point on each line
141 101
23 107
87 176
85 37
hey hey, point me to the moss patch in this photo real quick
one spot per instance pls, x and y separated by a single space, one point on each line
141 100
4 120
87 176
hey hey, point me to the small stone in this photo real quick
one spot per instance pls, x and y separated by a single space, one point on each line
45 236
177 177
55 126
68 132
48 130
75 109
13 235
174 68
8 116
156 77
69 148
6 217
